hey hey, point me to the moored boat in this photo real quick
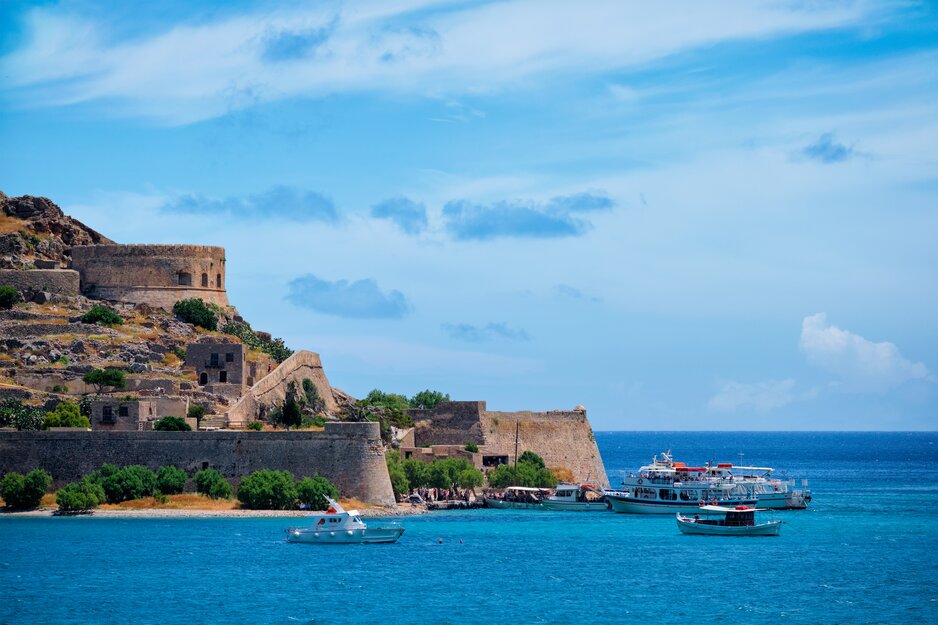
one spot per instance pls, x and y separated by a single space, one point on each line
337 526
724 521
576 498
518 498
666 487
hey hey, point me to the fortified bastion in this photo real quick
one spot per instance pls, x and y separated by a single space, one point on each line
158 275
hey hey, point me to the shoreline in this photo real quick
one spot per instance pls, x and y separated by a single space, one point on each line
176 513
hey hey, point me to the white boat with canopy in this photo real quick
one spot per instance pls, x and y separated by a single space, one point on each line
576 498
336 526
724 521
518 498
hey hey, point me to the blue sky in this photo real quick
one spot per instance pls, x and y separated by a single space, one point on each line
682 216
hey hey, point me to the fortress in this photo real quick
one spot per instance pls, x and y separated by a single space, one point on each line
157 275
56 260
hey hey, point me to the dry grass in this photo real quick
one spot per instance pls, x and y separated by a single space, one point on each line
9 224
48 501
171 360
5 356
354 504
563 474
174 502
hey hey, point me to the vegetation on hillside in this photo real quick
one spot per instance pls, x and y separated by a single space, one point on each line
105 378
102 315
66 415
172 424
24 492
8 297
196 312
274 347
530 471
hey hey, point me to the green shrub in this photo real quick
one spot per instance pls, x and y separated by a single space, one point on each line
172 424
58 388
268 490
472 447
470 478
526 474
275 348
417 472
291 415
317 421
15 414
80 496
313 491
428 399
257 426
532 458
24 492
210 483
8 297
180 352
102 315
197 412
131 482
66 415
101 378
399 482
170 480
196 312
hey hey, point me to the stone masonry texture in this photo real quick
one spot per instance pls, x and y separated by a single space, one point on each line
348 454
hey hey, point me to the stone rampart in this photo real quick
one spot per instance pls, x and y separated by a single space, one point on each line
349 454
271 390
158 275
56 281
564 438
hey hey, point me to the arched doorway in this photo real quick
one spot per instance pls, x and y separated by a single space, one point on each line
203 378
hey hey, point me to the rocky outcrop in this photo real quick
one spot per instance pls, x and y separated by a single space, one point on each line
42 233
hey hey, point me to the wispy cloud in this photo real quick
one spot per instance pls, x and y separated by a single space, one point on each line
285 203
291 44
409 216
188 71
762 397
860 364
488 332
361 299
562 216
827 150
571 292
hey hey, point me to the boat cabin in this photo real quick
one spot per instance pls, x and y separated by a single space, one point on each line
740 516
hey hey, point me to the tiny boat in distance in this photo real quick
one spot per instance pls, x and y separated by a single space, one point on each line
336 526
736 521
576 498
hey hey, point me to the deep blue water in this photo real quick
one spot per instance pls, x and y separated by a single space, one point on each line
866 551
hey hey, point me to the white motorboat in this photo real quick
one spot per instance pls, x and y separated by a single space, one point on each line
666 487
337 526
770 492
518 498
723 521
576 498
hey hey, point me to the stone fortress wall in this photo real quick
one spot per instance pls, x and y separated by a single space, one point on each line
158 275
564 438
350 455
56 281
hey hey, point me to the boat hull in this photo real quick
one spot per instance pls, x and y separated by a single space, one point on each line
347 537
782 501
630 505
575 506
511 505
772 528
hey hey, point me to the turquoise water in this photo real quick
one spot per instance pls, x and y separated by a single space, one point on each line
865 552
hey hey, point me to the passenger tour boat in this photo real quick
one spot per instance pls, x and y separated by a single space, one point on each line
666 487
576 497
336 526
735 521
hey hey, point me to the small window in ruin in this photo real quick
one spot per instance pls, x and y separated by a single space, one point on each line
122 411
205 280
204 465
203 378
213 360
185 279
250 381
218 281
222 376
107 414
229 357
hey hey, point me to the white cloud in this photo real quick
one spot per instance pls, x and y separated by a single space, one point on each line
760 396
861 364
201 70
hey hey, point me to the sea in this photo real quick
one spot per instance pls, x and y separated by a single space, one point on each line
865 551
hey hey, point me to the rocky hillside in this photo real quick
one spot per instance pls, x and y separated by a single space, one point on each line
34 232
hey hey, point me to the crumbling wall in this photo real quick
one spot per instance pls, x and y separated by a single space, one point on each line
449 423
348 454
271 390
